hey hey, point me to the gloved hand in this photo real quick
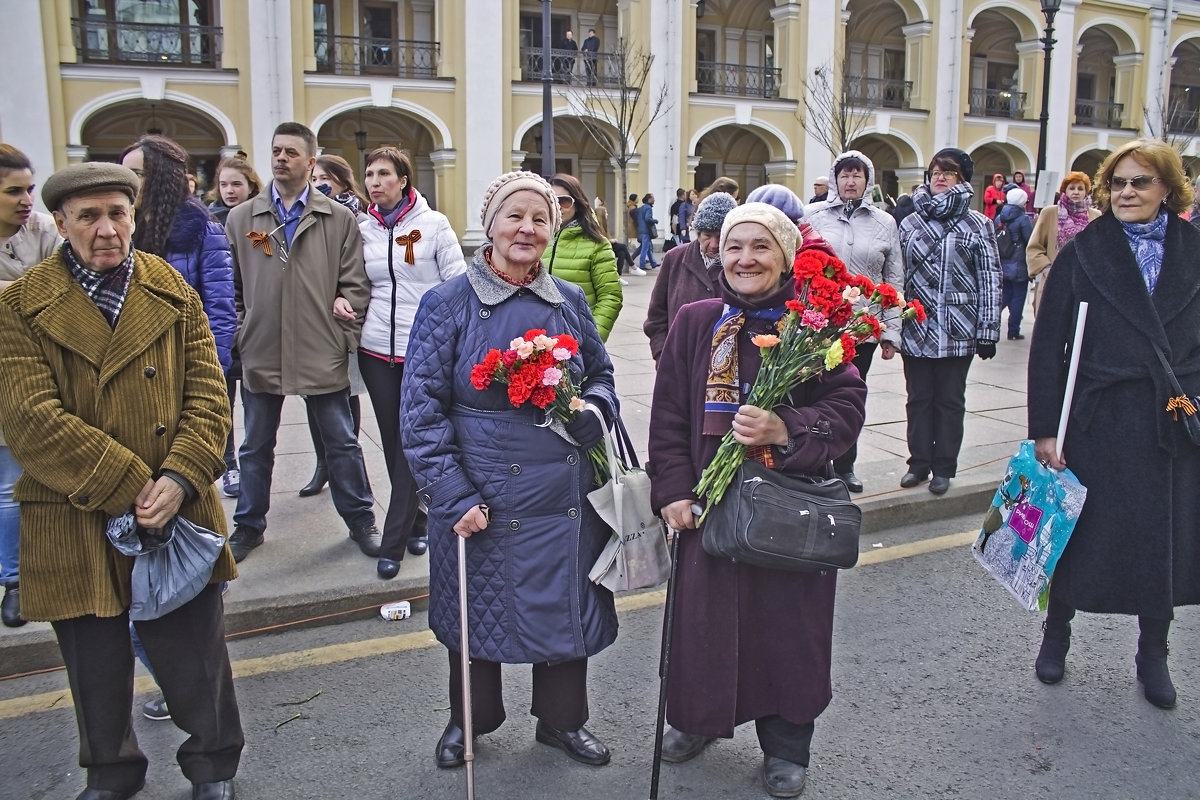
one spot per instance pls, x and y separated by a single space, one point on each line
985 350
587 429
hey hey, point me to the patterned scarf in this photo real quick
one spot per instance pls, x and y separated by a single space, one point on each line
1147 242
1072 217
106 289
348 200
723 392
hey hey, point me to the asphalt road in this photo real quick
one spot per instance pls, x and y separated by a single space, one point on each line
935 697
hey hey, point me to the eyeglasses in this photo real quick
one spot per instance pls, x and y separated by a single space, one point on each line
565 200
1140 183
938 175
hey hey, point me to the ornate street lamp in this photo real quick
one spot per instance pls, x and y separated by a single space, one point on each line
1049 9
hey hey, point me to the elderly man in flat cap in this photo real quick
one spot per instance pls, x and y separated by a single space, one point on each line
113 400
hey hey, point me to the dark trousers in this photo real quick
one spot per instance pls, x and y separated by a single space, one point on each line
314 428
936 405
231 388
782 739
559 694
348 482
187 648
1012 297
864 355
383 385
621 251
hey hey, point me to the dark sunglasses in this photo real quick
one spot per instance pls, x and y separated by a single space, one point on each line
1140 183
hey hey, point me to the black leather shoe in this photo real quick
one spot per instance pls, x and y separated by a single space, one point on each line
368 538
417 545
579 745
319 479
10 608
106 794
912 479
851 480
1155 678
1051 661
451 747
243 540
217 790
387 568
939 485
783 778
1015 337
678 747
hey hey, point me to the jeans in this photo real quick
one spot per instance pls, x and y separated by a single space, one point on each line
348 482
647 251
231 389
10 519
1012 297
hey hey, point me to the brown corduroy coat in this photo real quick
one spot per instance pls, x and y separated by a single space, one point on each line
92 413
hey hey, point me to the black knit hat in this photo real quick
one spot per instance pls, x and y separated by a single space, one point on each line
966 167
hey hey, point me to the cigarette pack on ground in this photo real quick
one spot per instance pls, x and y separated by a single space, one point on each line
394 611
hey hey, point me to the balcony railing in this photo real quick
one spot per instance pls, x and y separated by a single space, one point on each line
572 67
142 43
737 79
997 103
878 92
1098 113
1183 120
370 55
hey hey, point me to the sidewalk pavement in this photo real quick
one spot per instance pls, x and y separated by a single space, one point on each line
308 572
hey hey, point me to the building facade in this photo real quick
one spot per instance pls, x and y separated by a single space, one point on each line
759 90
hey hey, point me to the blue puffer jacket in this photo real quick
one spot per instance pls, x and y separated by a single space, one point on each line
1020 228
530 599
197 247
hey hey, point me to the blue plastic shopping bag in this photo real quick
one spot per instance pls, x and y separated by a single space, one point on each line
1028 525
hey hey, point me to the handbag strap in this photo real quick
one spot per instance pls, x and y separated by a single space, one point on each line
625 445
1162 359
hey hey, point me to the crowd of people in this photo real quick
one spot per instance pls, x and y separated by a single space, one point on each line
131 315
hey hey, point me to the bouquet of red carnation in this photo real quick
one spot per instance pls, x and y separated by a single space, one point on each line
819 331
534 370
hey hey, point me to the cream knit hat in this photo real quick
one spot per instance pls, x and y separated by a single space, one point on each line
782 229
510 183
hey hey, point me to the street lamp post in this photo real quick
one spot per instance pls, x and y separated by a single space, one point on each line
1049 9
547 100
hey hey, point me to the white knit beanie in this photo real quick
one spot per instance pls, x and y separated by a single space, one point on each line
510 183
782 229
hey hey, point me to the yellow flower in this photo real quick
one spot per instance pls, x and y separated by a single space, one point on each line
764 340
833 358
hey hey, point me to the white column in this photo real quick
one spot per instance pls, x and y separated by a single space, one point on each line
660 147
947 107
483 88
24 92
1062 88
1155 99
826 27
270 64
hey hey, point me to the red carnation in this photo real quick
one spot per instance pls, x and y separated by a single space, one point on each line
918 309
847 348
533 333
888 297
567 341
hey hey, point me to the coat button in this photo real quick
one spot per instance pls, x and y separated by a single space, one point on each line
484 313
515 469
160 430
573 513
515 524
572 459
150 372
427 498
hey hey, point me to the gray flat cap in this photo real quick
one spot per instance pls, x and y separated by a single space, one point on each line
94 176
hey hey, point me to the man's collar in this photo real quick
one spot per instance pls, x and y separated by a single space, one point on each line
302 199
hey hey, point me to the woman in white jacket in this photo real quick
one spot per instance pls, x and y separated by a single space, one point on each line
865 238
408 249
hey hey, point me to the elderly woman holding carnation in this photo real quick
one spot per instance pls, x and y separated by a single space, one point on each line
749 644
512 479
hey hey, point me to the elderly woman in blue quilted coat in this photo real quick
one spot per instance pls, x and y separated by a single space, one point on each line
515 486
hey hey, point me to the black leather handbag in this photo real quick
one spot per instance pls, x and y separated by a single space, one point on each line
780 520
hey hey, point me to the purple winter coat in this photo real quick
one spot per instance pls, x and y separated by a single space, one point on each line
748 642
682 279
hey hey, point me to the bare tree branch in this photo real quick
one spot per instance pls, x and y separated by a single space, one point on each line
1165 123
831 111
613 104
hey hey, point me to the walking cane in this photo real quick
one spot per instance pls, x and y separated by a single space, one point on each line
664 660
465 655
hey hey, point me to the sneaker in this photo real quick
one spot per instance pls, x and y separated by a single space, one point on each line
231 482
243 540
624 282
156 709
637 271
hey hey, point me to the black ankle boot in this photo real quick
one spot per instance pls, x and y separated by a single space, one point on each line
1151 661
1056 641
319 479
